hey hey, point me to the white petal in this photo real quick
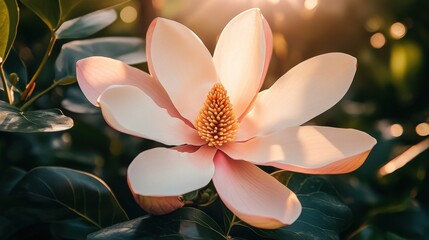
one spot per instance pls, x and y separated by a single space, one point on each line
128 109
304 92
254 196
306 149
183 65
160 172
240 57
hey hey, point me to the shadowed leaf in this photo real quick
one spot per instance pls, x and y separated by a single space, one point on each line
86 25
130 50
12 119
185 223
324 215
56 12
75 202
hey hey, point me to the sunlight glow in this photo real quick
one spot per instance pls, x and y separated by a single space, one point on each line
377 40
280 45
404 158
398 30
310 4
128 14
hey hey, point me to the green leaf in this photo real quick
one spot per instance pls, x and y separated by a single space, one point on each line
75 8
407 219
9 18
185 223
72 229
12 119
47 10
9 178
72 200
6 228
86 25
68 80
56 12
371 232
75 101
323 216
130 50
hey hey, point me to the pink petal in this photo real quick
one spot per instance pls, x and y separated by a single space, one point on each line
95 74
161 172
158 205
304 92
242 57
308 149
183 65
130 110
254 196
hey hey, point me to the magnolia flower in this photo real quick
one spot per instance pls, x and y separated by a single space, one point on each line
210 109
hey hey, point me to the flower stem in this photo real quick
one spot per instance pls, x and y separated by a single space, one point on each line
33 99
48 52
231 224
6 88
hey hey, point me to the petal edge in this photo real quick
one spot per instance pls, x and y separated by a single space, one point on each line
253 195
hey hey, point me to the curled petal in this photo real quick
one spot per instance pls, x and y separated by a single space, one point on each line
254 196
158 205
307 149
242 56
96 74
161 172
304 92
132 111
183 65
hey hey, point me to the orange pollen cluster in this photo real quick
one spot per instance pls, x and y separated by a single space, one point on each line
216 123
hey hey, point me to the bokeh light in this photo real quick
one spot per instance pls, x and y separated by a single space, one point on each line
404 158
128 14
396 130
374 24
398 30
377 40
280 45
422 129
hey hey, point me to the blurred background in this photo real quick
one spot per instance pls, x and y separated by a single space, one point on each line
389 98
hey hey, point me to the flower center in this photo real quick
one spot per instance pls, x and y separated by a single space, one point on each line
216 123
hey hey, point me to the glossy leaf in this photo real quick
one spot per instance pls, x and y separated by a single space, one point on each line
47 10
371 232
12 119
185 223
407 219
86 25
75 101
9 18
324 215
9 178
6 228
70 198
72 229
56 12
130 50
